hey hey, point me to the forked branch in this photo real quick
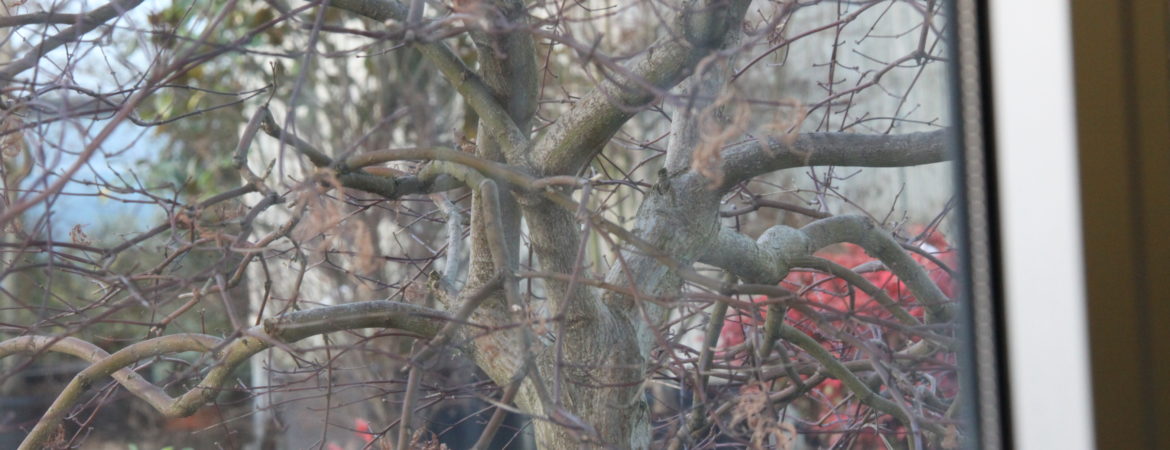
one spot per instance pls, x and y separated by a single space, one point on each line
580 134
768 259
285 329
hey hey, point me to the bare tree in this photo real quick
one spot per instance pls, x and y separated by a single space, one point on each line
561 193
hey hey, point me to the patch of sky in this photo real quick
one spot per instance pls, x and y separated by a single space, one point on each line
102 194
71 79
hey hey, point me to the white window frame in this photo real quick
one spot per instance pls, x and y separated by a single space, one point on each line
1040 225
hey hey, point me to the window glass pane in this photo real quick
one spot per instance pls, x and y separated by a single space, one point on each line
492 223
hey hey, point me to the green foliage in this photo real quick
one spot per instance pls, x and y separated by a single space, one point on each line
196 159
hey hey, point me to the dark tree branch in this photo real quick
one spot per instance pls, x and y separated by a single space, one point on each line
507 175
860 282
271 128
41 18
498 416
757 203
881 245
90 21
758 157
839 371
